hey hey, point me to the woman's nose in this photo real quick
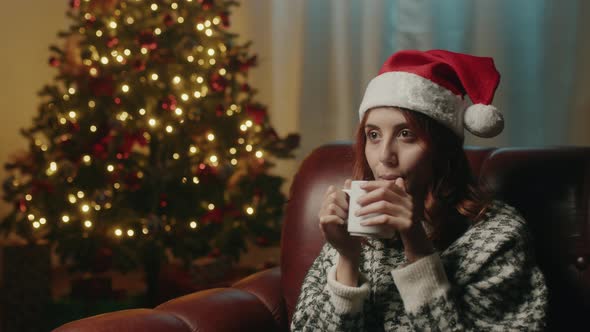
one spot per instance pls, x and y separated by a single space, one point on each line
388 154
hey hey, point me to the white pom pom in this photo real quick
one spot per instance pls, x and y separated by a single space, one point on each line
483 120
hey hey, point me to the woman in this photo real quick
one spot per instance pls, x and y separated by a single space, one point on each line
460 261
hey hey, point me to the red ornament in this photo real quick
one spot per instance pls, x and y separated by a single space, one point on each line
22 205
101 86
163 200
219 110
262 241
206 4
169 103
245 87
214 216
218 83
139 65
168 20
90 21
251 62
257 113
53 62
112 42
225 19
147 39
75 4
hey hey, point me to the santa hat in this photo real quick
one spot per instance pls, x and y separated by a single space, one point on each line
434 83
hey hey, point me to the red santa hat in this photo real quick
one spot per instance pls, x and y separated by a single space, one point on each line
434 83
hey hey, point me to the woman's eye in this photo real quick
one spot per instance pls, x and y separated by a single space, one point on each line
406 133
372 135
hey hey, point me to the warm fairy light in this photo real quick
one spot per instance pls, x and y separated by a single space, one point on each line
176 79
43 147
104 60
123 116
130 232
127 52
36 224
211 137
174 5
120 58
178 111
72 199
130 20
200 27
241 140
110 168
125 88
72 114
91 103
259 154
72 91
190 58
222 47
234 107
87 16
117 185
229 112
85 208
200 79
93 128
211 52
139 174
98 33
93 71
31 217
249 123
243 127
212 62
234 162
222 71
169 129
193 224
249 148
216 20
80 194
28 197
207 23
88 223
152 122
145 230
209 32
233 150
193 149
180 19
141 111
249 210
65 218
66 97
184 97
118 232
157 31
197 94
167 228
97 207
154 77
201 62
154 7
113 25
86 159
211 206
143 50
114 53
108 205
42 221
195 180
175 156
213 158
53 166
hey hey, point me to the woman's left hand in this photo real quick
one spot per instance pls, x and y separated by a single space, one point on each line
395 207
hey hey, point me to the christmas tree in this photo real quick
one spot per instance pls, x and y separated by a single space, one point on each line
148 139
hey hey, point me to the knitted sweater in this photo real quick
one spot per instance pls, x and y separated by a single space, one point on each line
486 280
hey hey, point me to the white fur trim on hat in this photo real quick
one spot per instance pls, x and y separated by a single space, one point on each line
483 120
414 92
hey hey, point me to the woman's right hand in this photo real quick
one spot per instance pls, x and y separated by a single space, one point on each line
333 217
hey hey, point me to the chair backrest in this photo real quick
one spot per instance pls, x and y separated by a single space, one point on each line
550 187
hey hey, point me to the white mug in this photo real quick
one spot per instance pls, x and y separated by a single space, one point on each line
354 222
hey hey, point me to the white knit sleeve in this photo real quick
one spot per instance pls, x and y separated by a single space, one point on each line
346 299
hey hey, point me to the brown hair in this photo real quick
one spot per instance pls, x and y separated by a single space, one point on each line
453 197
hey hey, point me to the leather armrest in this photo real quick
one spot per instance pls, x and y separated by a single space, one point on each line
218 309
266 285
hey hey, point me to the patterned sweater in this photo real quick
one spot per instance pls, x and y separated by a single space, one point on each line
487 280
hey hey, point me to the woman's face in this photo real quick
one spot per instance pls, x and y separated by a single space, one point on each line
393 150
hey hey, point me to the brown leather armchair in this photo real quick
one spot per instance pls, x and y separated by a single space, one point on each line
550 186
